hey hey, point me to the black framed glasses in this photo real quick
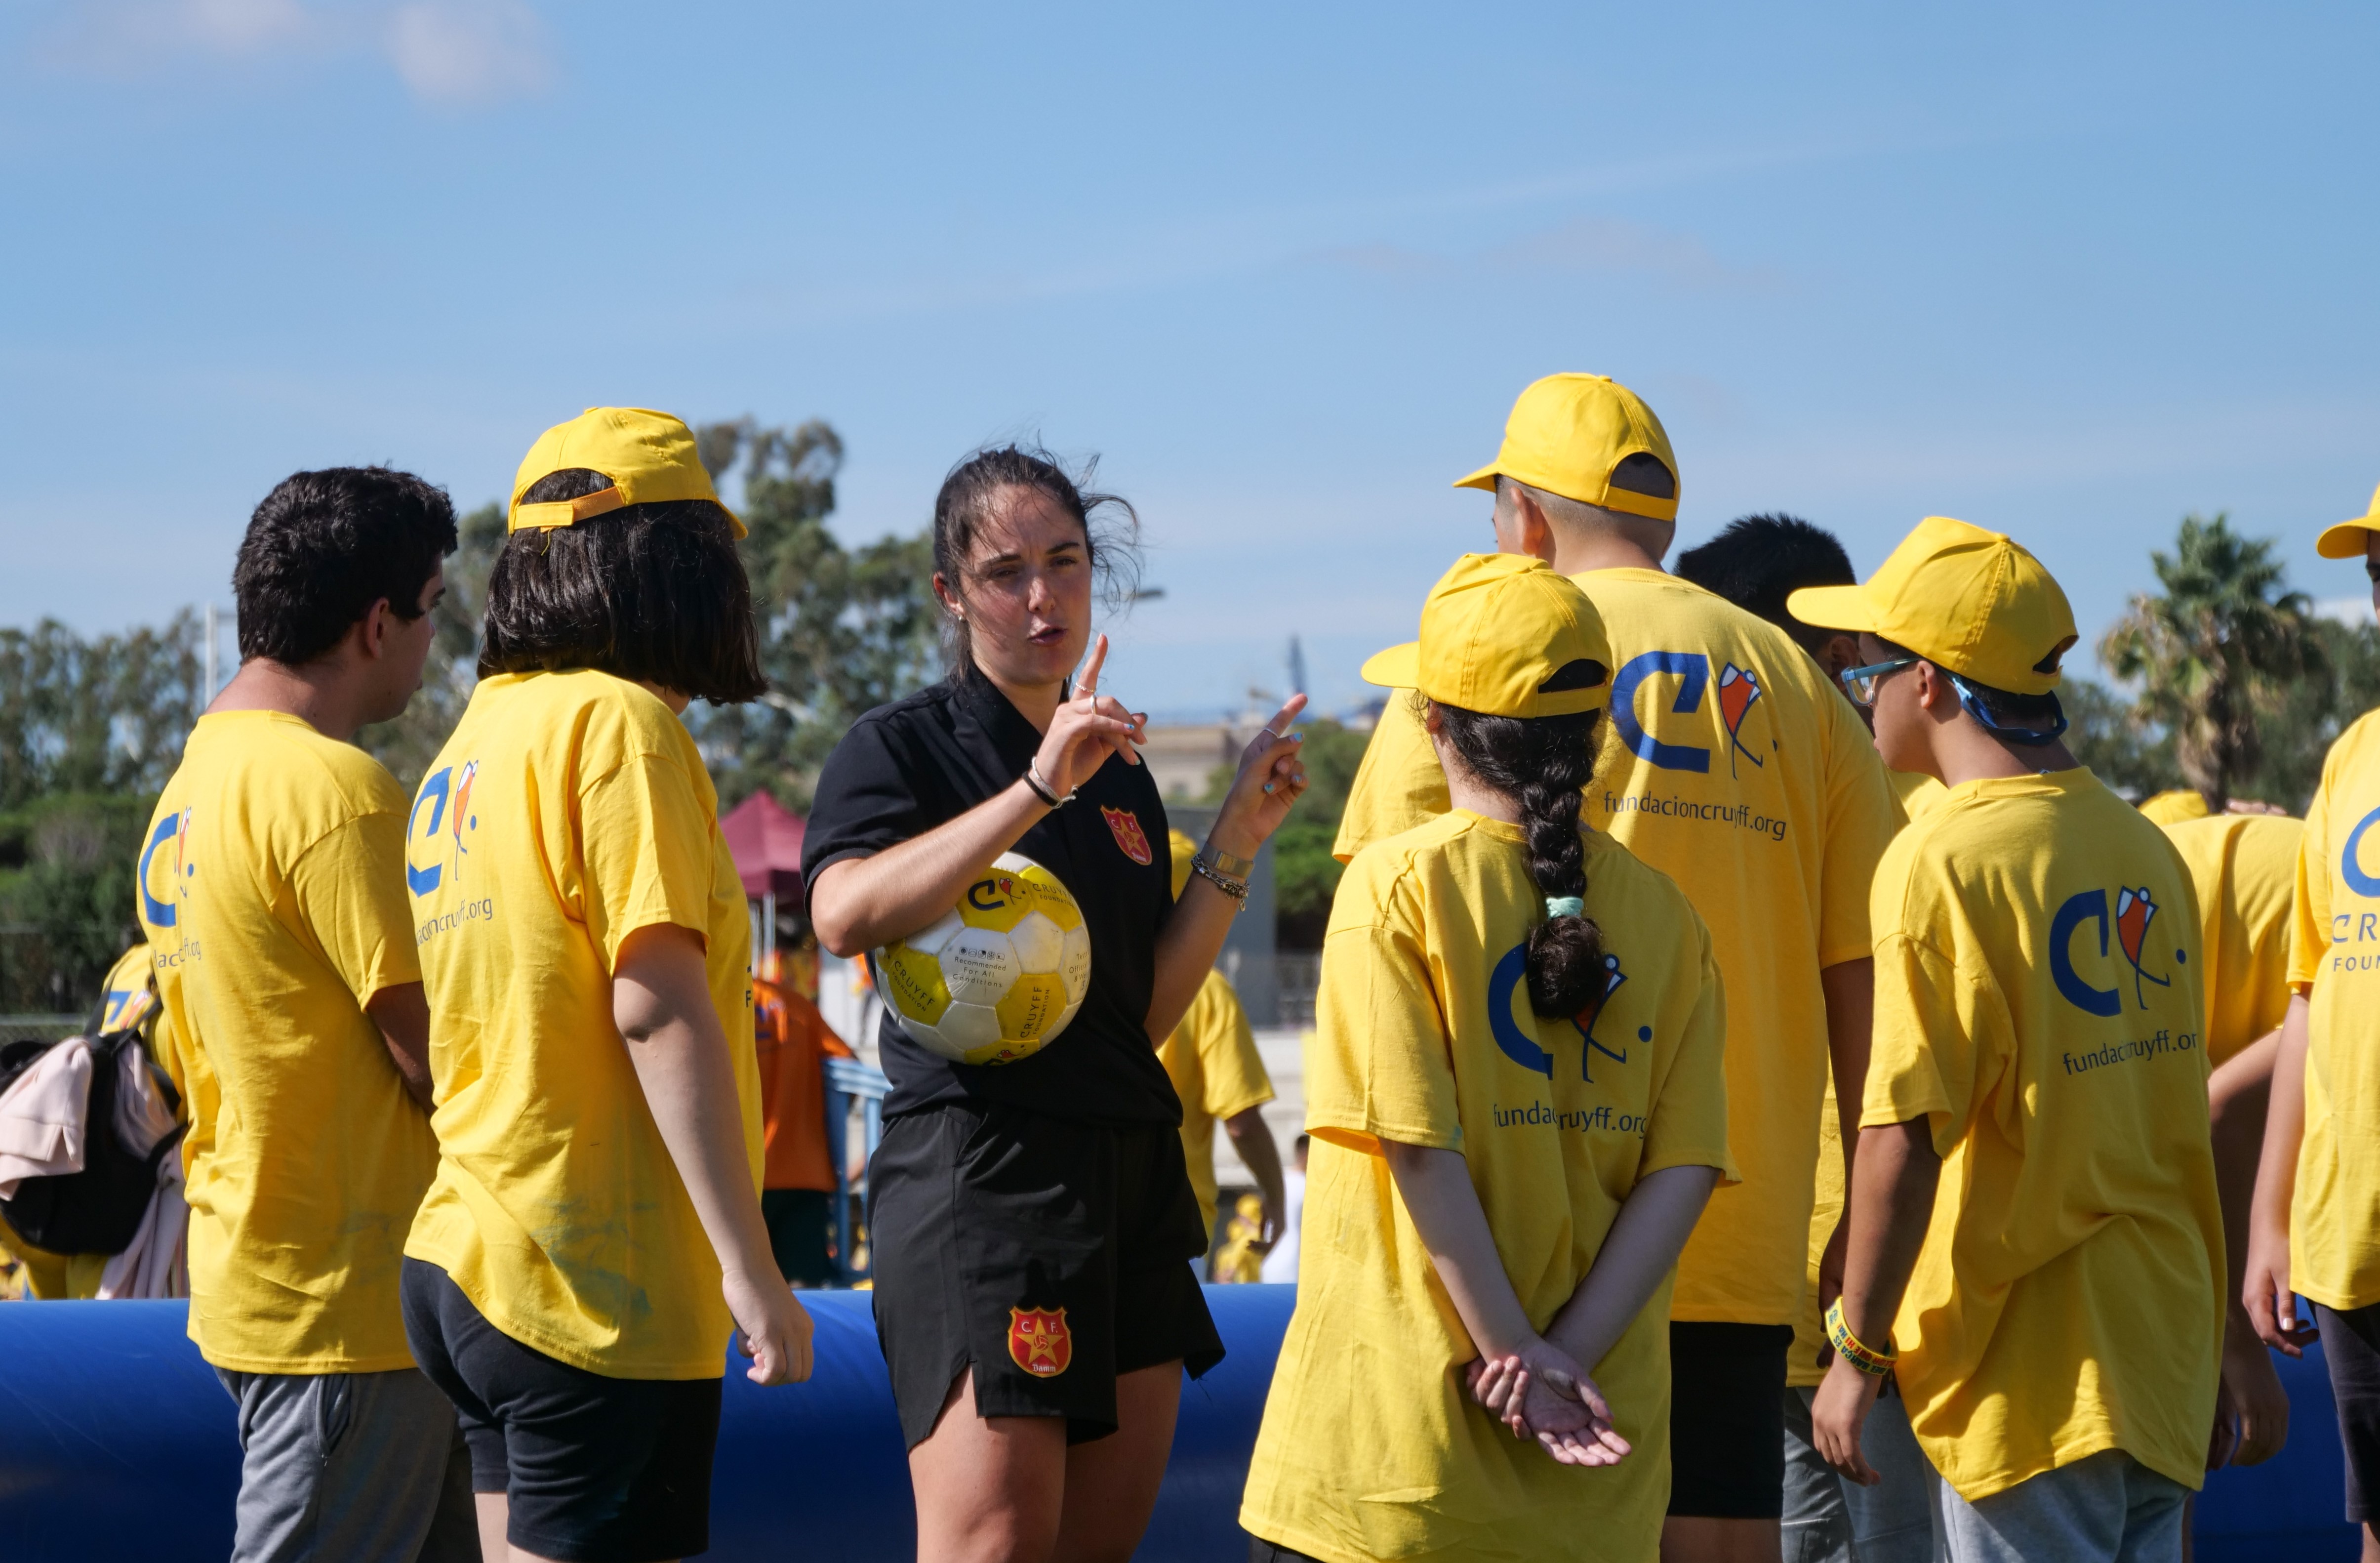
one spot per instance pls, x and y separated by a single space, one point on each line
1861 682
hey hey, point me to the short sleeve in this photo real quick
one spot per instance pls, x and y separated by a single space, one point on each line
349 891
646 843
1687 1123
865 800
1861 817
1235 1078
1379 1066
1399 784
2310 907
1937 1036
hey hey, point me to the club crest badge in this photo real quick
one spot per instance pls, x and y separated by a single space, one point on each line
1125 826
1039 1339
1739 689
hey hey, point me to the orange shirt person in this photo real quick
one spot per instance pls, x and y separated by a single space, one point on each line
797 1180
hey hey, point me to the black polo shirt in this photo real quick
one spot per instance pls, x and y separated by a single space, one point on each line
919 762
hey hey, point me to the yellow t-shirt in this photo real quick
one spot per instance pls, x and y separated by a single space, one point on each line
2037 997
1211 1058
1370 1446
569 811
129 998
1733 766
2245 869
272 893
2335 1219
1915 792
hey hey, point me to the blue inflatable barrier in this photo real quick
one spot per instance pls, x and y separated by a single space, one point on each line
117 1441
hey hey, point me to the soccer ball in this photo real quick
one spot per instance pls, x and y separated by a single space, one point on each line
998 976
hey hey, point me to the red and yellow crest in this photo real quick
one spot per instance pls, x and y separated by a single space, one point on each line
1125 824
1039 1339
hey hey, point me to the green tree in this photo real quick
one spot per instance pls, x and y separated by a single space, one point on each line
90 730
2311 711
842 629
2221 641
1305 875
2103 733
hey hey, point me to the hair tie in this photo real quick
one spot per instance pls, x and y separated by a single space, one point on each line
1565 906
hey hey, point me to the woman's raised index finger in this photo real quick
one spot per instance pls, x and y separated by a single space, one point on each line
1279 724
1088 684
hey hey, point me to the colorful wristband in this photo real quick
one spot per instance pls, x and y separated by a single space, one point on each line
1854 1350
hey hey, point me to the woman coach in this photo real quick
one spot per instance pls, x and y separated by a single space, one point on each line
1032 1221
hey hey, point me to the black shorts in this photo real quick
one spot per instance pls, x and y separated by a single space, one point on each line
1052 1255
597 1470
2350 1351
1727 1419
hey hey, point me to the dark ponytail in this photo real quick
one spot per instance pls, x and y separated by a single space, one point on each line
1542 763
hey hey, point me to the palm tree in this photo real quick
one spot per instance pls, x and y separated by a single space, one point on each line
2222 640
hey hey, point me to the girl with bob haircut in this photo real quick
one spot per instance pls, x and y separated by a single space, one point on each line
1033 1222
1517 1111
593 1234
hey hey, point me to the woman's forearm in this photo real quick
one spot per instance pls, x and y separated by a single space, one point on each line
1436 1188
1643 1245
661 1001
859 903
1186 948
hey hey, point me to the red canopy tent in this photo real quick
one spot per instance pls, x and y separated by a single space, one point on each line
766 838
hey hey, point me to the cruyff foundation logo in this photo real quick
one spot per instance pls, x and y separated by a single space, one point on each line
1504 995
161 912
1739 687
2135 913
447 796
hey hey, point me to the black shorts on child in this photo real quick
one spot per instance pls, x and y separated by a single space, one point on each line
1726 1419
1052 1255
597 1470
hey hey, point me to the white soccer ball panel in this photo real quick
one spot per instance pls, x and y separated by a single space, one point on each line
929 941
966 1027
1074 966
1039 942
979 964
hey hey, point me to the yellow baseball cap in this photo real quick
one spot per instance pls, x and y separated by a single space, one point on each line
1970 600
1503 634
649 456
1569 432
1183 850
2351 540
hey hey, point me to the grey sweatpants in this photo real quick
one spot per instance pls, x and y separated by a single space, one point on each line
1829 1520
2108 1508
350 1468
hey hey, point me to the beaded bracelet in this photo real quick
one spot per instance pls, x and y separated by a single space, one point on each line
1854 1350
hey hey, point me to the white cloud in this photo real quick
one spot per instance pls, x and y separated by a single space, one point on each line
444 51
2347 610
474 53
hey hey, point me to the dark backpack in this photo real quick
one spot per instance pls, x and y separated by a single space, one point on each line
98 1209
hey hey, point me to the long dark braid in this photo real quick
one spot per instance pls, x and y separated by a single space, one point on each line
1543 762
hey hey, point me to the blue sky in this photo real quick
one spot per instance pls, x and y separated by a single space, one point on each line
2065 271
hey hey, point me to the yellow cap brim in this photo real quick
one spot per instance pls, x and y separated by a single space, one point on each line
1833 607
2347 540
1399 668
1626 501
